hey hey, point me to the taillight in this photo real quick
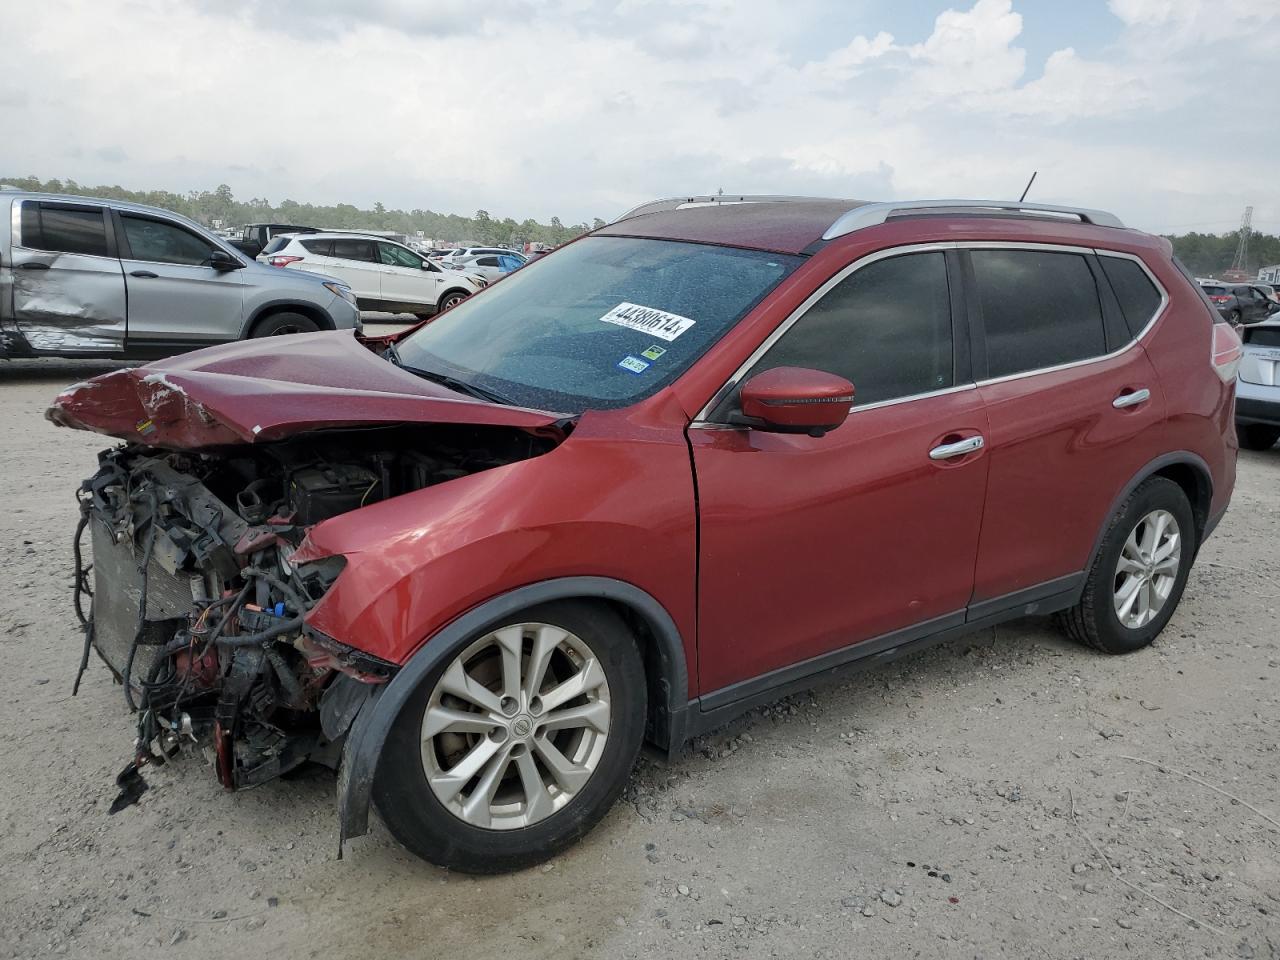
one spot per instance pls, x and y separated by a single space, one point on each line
1226 351
282 261
1217 299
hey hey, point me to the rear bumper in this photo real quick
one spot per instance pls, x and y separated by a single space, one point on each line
1266 411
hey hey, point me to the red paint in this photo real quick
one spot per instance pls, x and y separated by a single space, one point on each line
807 544
259 390
794 398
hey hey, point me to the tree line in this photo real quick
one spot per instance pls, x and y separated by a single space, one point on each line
1205 254
207 206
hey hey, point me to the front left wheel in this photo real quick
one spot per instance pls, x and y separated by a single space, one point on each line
518 743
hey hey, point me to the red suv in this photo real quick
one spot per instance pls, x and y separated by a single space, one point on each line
699 458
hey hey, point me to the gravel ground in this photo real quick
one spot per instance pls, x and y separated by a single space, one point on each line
984 799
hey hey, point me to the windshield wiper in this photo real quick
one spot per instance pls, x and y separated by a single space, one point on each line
453 383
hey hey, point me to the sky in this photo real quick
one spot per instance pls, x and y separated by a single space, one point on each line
1162 111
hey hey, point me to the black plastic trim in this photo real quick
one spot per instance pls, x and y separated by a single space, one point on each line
1257 411
369 731
1179 457
1028 602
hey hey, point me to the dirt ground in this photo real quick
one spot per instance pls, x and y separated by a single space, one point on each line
972 801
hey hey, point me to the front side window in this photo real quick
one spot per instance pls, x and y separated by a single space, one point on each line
1039 309
353 250
604 323
394 256
886 328
157 241
63 229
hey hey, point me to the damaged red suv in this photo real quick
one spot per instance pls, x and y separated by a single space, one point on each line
692 461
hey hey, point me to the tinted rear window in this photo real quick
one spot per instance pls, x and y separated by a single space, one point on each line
63 229
320 248
1038 309
276 244
1138 296
1214 291
353 250
1264 337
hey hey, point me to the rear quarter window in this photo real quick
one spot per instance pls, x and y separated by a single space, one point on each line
1138 296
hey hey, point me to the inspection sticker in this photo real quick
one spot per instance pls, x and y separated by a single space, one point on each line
633 365
654 352
663 325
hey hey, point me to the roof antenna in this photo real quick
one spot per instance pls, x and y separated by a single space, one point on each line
1027 188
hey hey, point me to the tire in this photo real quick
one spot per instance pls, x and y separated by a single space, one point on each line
451 298
280 324
451 823
1095 620
1257 436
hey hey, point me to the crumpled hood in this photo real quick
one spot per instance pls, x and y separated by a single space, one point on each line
259 390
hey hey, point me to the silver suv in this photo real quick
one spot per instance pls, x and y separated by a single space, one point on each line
1258 386
81 277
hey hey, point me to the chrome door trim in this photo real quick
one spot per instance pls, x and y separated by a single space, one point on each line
1131 399
700 420
948 450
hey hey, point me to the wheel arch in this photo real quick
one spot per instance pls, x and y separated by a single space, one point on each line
1188 471
271 307
661 647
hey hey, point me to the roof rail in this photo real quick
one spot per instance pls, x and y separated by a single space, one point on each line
873 214
679 203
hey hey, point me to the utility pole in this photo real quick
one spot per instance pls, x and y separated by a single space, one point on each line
1241 263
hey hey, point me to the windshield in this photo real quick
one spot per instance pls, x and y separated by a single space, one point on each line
604 323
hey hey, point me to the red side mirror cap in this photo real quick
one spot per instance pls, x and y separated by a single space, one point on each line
797 400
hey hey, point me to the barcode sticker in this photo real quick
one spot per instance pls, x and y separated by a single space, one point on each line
658 323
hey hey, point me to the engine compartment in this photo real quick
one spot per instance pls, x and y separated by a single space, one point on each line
197 610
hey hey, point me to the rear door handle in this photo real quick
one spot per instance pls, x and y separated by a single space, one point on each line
34 265
1131 399
143 274
959 448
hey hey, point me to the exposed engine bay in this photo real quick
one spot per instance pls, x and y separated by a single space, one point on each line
197 610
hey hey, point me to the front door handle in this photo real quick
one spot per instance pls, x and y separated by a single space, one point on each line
959 448
143 274
1131 399
34 265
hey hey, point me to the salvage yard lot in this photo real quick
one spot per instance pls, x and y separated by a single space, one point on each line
954 804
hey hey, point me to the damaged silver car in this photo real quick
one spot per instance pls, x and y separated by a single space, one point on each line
82 277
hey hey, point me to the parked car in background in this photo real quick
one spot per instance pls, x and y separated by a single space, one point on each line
459 253
1268 290
254 237
1239 302
1258 386
491 266
385 275
615 498
82 277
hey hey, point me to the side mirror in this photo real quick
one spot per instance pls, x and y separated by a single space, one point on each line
796 400
222 261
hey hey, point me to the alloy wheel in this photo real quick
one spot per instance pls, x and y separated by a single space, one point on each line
515 726
1147 569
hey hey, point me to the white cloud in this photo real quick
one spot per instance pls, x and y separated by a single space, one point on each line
581 108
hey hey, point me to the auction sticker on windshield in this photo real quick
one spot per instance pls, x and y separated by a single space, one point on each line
659 323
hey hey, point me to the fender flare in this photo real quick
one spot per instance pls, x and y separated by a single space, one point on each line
300 306
369 731
1179 458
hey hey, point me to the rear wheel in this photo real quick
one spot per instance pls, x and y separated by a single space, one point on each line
279 324
518 743
1257 436
1139 574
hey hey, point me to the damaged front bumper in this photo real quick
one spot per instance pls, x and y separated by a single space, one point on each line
201 617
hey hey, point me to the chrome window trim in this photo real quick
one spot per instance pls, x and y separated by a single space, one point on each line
1130 344
701 421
